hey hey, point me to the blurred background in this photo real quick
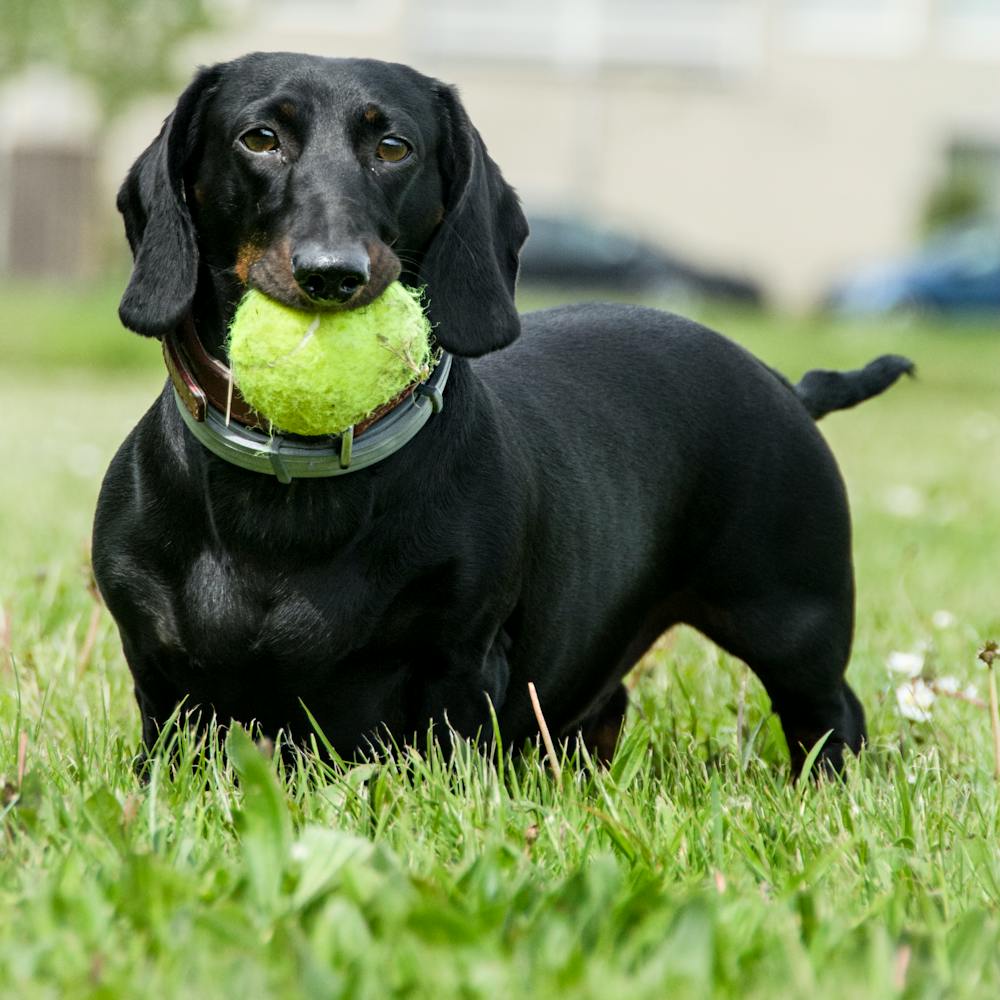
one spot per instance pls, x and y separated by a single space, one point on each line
818 179
840 154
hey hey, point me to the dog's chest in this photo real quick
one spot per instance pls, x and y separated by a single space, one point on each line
233 615
292 622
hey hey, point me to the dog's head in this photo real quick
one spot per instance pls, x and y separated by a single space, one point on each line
319 182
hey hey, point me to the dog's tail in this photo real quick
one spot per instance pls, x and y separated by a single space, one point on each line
822 392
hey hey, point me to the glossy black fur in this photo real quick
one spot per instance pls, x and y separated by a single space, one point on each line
612 471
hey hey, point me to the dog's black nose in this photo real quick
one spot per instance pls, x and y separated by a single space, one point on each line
330 277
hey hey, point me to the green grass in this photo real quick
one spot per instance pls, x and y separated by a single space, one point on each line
692 868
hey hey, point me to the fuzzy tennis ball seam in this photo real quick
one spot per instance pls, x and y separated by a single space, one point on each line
320 373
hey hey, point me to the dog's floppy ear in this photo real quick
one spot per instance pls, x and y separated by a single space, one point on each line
470 266
157 221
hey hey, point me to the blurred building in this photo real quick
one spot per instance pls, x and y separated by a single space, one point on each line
785 138
49 218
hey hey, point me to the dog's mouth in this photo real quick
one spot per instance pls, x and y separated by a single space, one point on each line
270 271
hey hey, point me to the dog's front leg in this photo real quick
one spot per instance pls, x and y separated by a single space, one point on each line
158 699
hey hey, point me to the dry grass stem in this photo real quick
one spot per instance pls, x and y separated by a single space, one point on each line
22 757
995 723
903 956
550 750
969 699
988 654
89 641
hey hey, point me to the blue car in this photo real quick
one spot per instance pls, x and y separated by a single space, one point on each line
955 272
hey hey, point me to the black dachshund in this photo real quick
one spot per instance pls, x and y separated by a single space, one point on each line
612 472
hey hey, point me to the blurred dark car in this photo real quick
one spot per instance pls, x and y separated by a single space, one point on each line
955 272
570 252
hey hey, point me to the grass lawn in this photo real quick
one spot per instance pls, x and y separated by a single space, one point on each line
693 868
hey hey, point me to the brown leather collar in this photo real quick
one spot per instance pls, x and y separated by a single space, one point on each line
202 381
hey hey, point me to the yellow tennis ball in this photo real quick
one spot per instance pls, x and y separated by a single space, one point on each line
320 373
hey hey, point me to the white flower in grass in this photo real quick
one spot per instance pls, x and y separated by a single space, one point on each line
947 685
907 664
980 426
942 619
970 692
914 700
904 500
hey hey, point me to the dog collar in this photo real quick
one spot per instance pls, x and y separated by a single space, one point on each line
229 428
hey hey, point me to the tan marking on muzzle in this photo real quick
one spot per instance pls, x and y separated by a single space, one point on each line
247 255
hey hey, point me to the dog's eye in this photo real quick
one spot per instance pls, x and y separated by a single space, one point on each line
392 149
260 140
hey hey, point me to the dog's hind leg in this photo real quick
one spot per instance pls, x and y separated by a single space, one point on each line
799 648
812 700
